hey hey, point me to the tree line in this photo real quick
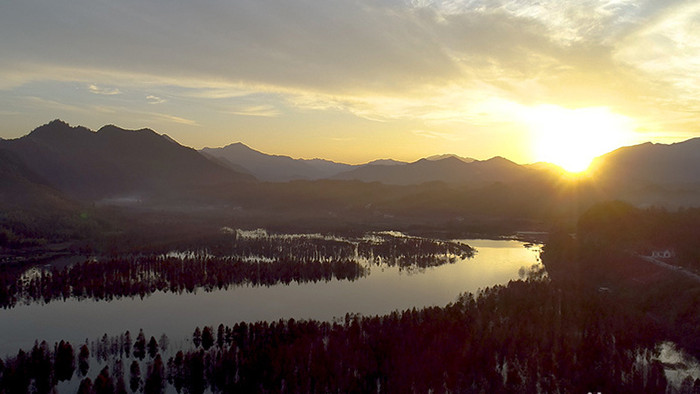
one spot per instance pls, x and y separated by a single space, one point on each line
619 225
604 256
259 262
403 251
528 336
141 276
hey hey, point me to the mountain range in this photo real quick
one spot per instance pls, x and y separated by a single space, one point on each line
447 168
57 160
273 168
450 169
113 162
21 187
660 164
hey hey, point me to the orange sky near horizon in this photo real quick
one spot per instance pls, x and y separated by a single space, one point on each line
358 80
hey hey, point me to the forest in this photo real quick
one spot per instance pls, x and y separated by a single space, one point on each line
528 336
621 226
605 255
592 322
227 260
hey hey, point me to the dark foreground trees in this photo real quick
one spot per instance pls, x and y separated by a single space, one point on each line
525 337
605 256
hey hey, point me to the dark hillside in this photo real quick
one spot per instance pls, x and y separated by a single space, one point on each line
114 162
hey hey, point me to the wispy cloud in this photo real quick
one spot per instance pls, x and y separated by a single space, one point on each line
438 135
155 99
39 102
354 47
266 111
103 91
172 118
432 62
668 51
202 90
479 106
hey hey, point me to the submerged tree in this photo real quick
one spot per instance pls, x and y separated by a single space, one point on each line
197 337
163 342
140 346
85 386
152 347
207 338
41 367
134 376
528 336
103 382
84 360
259 262
64 361
118 376
155 379
126 344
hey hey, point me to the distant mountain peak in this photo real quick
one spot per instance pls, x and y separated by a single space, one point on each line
275 168
112 129
236 144
385 162
109 127
57 122
448 169
450 159
114 161
499 160
57 128
449 155
447 160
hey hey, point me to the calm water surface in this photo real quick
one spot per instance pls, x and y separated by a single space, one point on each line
384 290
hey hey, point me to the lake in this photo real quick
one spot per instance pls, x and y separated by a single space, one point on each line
384 290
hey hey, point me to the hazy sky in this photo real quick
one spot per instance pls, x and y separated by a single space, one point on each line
359 80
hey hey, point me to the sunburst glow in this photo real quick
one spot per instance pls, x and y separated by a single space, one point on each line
572 138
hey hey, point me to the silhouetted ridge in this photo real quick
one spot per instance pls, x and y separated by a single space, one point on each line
56 130
115 162
499 160
450 169
274 168
654 163
385 162
112 129
446 155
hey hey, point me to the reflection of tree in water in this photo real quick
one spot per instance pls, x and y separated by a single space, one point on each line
534 272
527 336
410 253
140 276
262 261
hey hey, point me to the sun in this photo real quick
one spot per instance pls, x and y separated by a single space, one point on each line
572 138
